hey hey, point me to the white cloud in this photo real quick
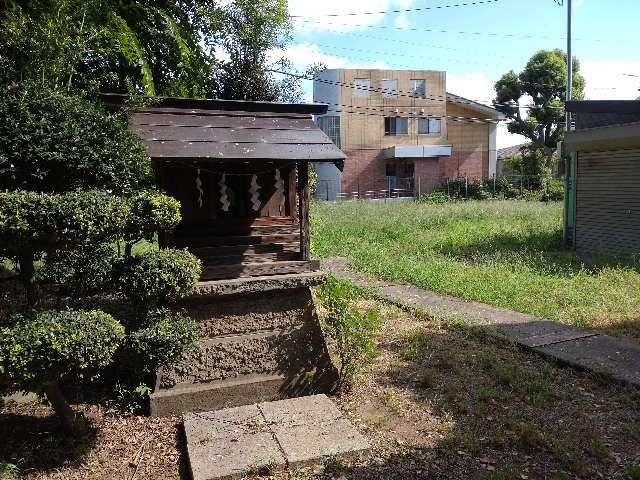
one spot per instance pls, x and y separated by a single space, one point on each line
474 86
316 19
303 55
606 80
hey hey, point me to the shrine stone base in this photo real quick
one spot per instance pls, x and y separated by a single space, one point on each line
260 340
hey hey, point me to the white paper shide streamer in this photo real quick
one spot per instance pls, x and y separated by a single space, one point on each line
280 190
254 190
224 198
200 190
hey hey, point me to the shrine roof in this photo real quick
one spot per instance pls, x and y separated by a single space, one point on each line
202 129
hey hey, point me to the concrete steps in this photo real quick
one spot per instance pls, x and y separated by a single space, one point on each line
255 346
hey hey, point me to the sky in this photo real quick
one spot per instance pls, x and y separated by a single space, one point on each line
474 43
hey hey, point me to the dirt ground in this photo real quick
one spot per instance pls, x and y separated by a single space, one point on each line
118 447
438 402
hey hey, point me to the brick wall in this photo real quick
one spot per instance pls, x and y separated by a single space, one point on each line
465 163
427 174
363 170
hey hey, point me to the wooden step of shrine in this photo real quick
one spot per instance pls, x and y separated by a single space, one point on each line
258 269
204 241
236 230
250 258
222 250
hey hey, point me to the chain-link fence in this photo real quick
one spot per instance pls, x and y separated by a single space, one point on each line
462 187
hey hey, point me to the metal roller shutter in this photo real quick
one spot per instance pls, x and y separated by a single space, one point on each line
608 204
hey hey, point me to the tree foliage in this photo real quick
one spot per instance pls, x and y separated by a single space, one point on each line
161 339
140 45
250 32
542 84
149 47
63 236
160 277
54 142
40 351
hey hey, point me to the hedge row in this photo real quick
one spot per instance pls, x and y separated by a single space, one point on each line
43 221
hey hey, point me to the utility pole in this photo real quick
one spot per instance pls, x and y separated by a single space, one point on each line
569 65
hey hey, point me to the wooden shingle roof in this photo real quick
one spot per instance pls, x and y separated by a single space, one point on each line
227 130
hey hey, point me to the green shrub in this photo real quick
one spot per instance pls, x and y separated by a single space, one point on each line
151 212
165 337
160 277
37 352
552 191
53 142
351 330
33 222
505 188
436 197
86 270
478 190
456 188
53 344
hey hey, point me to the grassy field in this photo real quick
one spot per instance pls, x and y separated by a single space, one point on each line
505 253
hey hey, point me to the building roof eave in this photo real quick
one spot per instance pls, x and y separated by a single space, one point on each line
475 106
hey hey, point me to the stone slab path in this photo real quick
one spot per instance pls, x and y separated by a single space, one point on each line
615 357
232 442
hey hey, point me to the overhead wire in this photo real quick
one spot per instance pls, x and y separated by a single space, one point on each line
396 54
401 10
458 32
418 44
388 111
395 92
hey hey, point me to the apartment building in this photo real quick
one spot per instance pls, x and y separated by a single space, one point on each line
401 131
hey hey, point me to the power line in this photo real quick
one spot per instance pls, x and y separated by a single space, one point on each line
400 10
419 44
395 93
460 32
379 52
382 112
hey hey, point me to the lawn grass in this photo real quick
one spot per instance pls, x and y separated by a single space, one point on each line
445 399
505 253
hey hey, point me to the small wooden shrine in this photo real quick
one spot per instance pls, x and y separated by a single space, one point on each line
241 173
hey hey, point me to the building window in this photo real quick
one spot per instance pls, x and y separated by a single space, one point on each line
396 126
362 87
390 170
389 88
418 88
429 126
330 124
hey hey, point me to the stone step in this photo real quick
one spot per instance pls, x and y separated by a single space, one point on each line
284 352
231 392
232 442
255 345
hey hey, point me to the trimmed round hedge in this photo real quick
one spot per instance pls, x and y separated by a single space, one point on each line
54 344
151 212
166 336
42 221
160 277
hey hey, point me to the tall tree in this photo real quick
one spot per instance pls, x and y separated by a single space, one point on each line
146 46
249 33
544 80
